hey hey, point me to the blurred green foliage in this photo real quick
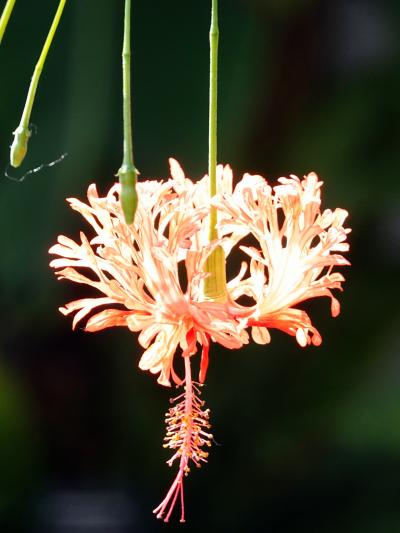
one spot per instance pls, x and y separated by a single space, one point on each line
18 448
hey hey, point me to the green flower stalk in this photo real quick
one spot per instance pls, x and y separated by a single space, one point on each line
5 17
19 146
215 283
127 173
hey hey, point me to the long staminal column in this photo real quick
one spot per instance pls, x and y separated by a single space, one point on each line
187 433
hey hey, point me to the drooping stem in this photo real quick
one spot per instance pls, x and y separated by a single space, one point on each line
215 283
19 146
5 16
212 118
187 433
127 172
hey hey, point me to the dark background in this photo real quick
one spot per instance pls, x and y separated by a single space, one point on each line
308 440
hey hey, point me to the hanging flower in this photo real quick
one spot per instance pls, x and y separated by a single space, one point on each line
139 271
297 251
136 268
151 278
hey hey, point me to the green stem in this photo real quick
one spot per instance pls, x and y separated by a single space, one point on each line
127 173
212 119
5 16
19 146
215 283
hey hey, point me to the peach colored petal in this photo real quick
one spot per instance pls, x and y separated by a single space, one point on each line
139 267
297 251
260 335
107 319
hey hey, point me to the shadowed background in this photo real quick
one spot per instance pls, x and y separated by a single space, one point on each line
307 440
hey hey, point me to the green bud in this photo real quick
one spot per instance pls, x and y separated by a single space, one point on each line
127 178
19 146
